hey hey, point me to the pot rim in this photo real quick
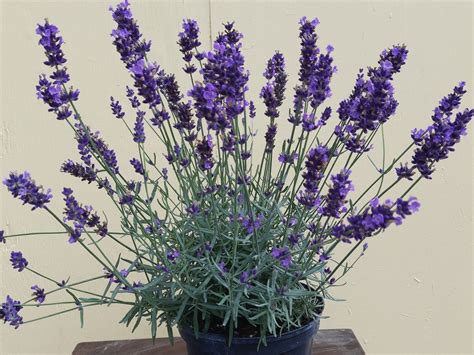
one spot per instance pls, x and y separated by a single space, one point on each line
187 330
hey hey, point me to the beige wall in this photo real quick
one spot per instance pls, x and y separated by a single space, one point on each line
413 291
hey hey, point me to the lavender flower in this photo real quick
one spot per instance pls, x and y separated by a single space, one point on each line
38 294
224 69
138 166
204 152
10 312
316 69
246 275
172 255
126 200
337 193
435 143
252 111
189 42
193 209
251 224
51 41
116 108
81 216
208 107
273 93
294 238
283 255
319 83
270 137
89 142
2 236
123 273
222 268
54 94
371 102
407 207
405 172
25 188
316 161
85 173
127 37
374 219
139 130
18 261
146 78
132 98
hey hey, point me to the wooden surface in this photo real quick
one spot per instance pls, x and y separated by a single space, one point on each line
326 342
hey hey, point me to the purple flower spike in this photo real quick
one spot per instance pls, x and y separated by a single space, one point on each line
127 37
316 161
405 172
85 173
139 131
9 312
2 236
116 108
172 255
18 261
137 165
435 143
374 219
54 93
81 217
38 294
222 268
273 93
25 188
336 197
372 102
193 209
204 152
189 43
283 255
51 41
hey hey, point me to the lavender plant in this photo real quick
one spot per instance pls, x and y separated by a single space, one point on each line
227 243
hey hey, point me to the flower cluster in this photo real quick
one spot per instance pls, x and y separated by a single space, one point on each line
81 216
54 93
224 70
435 142
89 143
204 152
189 43
316 162
316 69
25 188
283 255
273 93
127 37
9 312
377 217
85 173
18 260
337 193
38 294
371 102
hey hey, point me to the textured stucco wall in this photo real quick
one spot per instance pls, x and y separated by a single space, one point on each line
412 293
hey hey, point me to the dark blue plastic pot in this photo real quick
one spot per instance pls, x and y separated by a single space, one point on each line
295 342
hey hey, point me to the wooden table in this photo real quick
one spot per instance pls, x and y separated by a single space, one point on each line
326 342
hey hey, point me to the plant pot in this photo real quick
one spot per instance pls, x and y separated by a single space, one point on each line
295 342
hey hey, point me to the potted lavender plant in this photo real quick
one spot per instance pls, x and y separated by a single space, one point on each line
239 256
